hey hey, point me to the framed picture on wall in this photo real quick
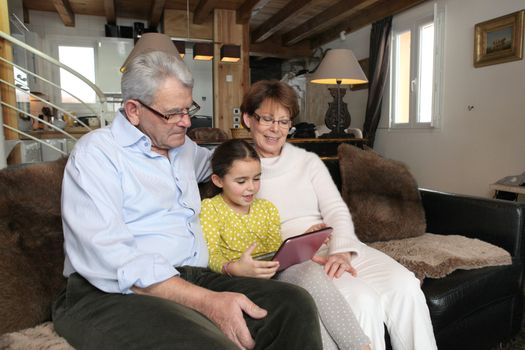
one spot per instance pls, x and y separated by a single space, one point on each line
499 40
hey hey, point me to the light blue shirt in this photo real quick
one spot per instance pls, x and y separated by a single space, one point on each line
130 215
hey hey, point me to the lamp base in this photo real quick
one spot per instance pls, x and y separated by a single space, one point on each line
337 117
336 135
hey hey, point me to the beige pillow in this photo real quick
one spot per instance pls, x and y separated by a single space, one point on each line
435 256
381 194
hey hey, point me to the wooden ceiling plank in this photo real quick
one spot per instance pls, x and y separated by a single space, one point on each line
156 11
244 12
109 11
273 48
363 18
325 19
277 21
204 10
65 12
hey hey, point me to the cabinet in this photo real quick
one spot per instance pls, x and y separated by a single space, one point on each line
111 54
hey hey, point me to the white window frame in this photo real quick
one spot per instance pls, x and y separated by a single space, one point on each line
413 22
64 40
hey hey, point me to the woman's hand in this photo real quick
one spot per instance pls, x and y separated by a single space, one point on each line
336 264
315 227
246 266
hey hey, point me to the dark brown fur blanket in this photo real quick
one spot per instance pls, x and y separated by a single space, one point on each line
31 240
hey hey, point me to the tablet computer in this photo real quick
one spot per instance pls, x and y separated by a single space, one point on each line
298 249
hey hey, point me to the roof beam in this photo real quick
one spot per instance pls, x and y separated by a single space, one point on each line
65 12
155 13
109 11
273 48
244 12
327 18
203 11
277 21
363 18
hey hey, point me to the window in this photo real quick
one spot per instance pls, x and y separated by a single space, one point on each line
415 71
81 59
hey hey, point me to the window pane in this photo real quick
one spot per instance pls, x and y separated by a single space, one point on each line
426 73
81 59
402 78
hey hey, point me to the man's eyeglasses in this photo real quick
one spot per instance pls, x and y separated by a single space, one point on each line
268 121
175 116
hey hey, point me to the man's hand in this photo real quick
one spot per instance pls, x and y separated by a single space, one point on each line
226 309
336 264
246 266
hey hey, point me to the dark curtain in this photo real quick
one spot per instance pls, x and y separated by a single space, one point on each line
378 69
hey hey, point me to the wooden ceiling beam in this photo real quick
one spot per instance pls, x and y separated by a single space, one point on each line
273 48
363 18
203 11
278 20
156 11
244 12
65 12
325 19
109 11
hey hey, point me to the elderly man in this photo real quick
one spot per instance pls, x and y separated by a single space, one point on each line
135 254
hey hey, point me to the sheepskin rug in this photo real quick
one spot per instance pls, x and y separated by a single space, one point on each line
435 256
41 337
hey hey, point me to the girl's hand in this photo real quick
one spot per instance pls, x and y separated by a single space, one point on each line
246 266
336 264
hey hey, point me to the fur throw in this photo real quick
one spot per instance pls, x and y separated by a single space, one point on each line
382 196
31 240
41 337
436 256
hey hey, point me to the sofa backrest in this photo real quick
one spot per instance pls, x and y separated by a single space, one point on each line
31 243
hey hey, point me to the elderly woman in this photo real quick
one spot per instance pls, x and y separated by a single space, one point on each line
379 290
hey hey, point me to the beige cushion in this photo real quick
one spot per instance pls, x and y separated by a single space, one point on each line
435 256
381 194
37 338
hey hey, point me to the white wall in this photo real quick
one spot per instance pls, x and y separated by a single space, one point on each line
51 31
470 149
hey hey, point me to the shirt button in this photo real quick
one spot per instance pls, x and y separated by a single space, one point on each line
194 253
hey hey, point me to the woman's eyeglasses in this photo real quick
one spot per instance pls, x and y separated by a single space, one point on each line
175 116
268 121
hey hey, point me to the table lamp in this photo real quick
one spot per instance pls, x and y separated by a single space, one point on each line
339 66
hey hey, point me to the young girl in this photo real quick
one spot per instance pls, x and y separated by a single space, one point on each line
238 226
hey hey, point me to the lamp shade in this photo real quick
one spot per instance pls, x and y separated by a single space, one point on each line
230 53
203 51
151 42
339 66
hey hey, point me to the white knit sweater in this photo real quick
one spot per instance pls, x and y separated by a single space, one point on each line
301 187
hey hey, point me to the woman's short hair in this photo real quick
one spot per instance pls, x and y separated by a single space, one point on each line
273 90
146 72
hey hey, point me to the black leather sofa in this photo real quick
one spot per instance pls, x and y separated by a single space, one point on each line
473 309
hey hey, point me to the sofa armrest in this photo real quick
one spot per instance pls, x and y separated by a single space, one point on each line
495 221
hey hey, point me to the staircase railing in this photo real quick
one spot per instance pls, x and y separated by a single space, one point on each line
102 102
